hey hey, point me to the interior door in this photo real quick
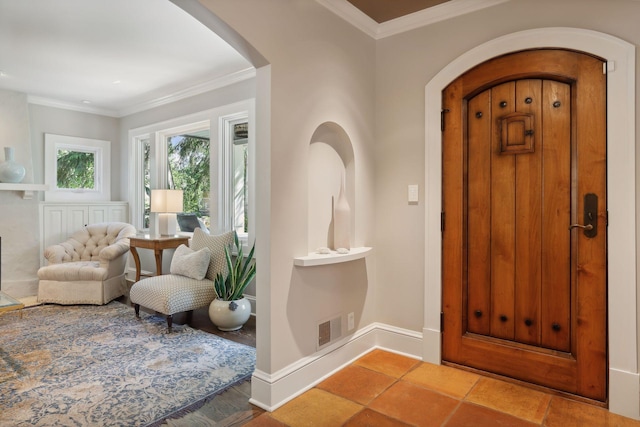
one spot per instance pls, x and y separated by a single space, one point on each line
524 234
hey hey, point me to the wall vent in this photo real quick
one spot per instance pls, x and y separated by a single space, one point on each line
329 331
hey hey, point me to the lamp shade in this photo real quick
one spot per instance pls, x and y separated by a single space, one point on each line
166 201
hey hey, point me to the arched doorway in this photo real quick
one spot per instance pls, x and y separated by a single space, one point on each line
622 295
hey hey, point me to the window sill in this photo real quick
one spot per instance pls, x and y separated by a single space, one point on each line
314 259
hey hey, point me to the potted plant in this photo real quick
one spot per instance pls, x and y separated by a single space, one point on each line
230 310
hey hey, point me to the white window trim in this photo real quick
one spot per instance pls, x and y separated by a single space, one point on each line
220 203
102 168
226 198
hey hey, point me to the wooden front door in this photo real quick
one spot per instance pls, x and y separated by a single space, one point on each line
524 159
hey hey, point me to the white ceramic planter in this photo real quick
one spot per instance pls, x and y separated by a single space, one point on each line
229 315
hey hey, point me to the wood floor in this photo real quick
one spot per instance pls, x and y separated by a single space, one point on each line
230 408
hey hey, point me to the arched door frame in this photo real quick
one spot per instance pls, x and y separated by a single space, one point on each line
624 381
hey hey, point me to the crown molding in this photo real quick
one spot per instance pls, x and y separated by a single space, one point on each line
65 105
422 18
218 83
352 15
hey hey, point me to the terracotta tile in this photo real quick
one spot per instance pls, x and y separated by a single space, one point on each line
568 413
510 398
414 405
264 420
369 418
358 384
316 408
387 363
453 382
469 414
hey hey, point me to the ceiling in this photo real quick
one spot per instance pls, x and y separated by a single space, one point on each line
382 11
118 57
113 57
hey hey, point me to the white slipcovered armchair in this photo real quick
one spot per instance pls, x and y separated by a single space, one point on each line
89 267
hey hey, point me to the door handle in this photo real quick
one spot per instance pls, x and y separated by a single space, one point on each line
590 227
584 227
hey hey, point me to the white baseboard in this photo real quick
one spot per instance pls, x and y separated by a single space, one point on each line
20 288
270 391
432 345
624 392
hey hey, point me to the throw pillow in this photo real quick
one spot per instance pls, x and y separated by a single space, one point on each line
216 244
190 263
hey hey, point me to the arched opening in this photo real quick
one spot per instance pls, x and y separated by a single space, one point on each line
622 294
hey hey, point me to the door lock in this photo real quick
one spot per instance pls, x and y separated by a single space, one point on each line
590 226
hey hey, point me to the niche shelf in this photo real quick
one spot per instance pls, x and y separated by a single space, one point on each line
26 189
314 259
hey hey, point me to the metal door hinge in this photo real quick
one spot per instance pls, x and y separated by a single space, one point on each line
441 321
444 110
441 221
608 67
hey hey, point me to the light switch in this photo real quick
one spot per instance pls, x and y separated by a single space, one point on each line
413 193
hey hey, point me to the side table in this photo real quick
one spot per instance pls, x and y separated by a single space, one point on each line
158 244
8 303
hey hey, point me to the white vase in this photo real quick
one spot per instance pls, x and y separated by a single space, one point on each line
341 220
10 170
229 315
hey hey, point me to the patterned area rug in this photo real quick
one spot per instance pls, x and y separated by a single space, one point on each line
100 366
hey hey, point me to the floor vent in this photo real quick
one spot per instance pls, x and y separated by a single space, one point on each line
329 331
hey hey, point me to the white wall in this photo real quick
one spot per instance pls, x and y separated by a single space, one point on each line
405 64
57 121
321 71
399 95
18 217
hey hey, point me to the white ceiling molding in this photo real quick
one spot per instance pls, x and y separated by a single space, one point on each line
223 81
56 103
227 80
352 15
422 18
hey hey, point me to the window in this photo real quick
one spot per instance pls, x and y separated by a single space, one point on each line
207 155
77 168
236 172
188 170
146 174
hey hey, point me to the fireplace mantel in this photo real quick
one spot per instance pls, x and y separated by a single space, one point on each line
26 189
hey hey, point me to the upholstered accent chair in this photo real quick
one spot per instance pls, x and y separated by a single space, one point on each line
89 267
190 284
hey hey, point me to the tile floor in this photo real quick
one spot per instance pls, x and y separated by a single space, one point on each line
385 389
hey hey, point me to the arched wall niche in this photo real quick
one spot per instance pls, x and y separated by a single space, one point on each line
331 159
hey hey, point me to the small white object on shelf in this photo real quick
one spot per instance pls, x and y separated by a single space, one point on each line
10 170
333 257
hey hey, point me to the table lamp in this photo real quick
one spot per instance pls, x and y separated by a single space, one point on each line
166 203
